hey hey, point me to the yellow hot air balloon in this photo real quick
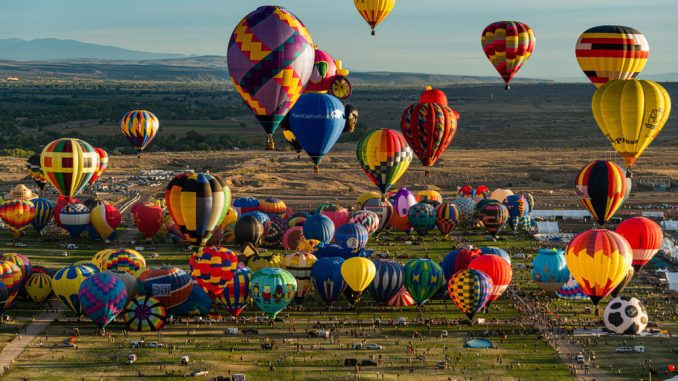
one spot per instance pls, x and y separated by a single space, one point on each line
630 113
358 273
374 11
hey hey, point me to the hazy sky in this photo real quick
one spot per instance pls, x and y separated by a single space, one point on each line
432 36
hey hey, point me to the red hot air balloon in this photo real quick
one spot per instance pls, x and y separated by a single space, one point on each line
429 126
508 45
498 269
645 238
148 218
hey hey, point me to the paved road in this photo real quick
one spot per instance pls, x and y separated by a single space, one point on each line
17 346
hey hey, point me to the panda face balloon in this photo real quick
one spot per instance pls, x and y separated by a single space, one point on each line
625 315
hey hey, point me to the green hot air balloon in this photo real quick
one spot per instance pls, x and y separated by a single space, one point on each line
272 289
423 278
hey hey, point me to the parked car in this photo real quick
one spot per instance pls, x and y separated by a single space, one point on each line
131 359
443 333
199 373
267 346
136 344
184 360
624 350
373 346
369 363
231 331
350 362
580 359
155 344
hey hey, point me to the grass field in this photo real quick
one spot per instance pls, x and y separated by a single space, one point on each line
295 356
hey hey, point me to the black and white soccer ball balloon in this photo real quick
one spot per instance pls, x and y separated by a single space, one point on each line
625 315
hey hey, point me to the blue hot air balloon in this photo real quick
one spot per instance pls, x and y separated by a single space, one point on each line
519 212
319 227
549 269
260 216
492 250
327 279
272 289
243 205
198 303
351 236
102 297
317 121
237 291
44 211
75 218
389 279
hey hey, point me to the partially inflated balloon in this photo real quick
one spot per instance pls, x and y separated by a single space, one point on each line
139 127
270 60
470 291
631 113
102 297
35 171
10 277
103 164
423 278
299 264
609 52
66 284
388 280
429 128
599 259
384 156
431 196
236 293
374 11
272 290
645 238
327 279
508 45
68 164
44 211
601 186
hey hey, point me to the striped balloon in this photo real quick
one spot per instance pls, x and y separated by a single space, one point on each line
237 291
645 237
39 287
601 187
571 290
17 215
610 52
102 296
144 314
352 237
22 262
374 11
467 208
10 277
367 218
430 195
35 171
128 280
493 215
170 285
470 290
127 260
319 227
423 278
75 218
447 217
44 211
402 298
139 127
382 208
213 267
243 205
508 45
68 164
422 217
384 156
272 205
66 285
264 260
103 164
299 264
327 279
389 279
104 219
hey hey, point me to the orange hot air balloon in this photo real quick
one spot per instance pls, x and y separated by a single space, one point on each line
17 215
645 238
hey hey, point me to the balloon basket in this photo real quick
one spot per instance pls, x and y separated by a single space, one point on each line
374 33
270 145
427 173
316 169
507 87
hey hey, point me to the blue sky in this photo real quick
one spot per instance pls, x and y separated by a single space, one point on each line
432 36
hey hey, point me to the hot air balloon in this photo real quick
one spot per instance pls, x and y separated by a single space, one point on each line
645 238
498 270
128 280
274 232
248 230
508 45
144 314
270 60
213 267
264 260
262 217
467 209
351 236
170 285
299 264
328 76
198 303
625 282
358 273
447 217
384 156
243 205
364 197
139 127
319 227
601 186
423 278
609 52
236 292
10 277
338 214
39 287
368 219
22 262
571 290
102 297
289 137
272 205
195 202
470 290
103 164
148 218
493 216
66 284
518 210
549 269
631 113
382 208
429 127
17 215
430 196
231 216
104 219
44 211
127 260
422 217
317 121
388 280
374 11
272 290
599 259
492 250
75 218
457 260
68 164
35 171
401 298
292 238
327 279
402 201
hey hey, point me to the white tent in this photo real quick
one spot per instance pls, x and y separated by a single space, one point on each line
658 215
672 281
669 225
547 227
565 214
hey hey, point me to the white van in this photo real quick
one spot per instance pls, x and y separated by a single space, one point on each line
136 343
185 360
639 349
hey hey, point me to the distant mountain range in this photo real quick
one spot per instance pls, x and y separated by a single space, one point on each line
56 49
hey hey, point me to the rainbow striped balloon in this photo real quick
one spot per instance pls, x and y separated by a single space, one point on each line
385 156
139 127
